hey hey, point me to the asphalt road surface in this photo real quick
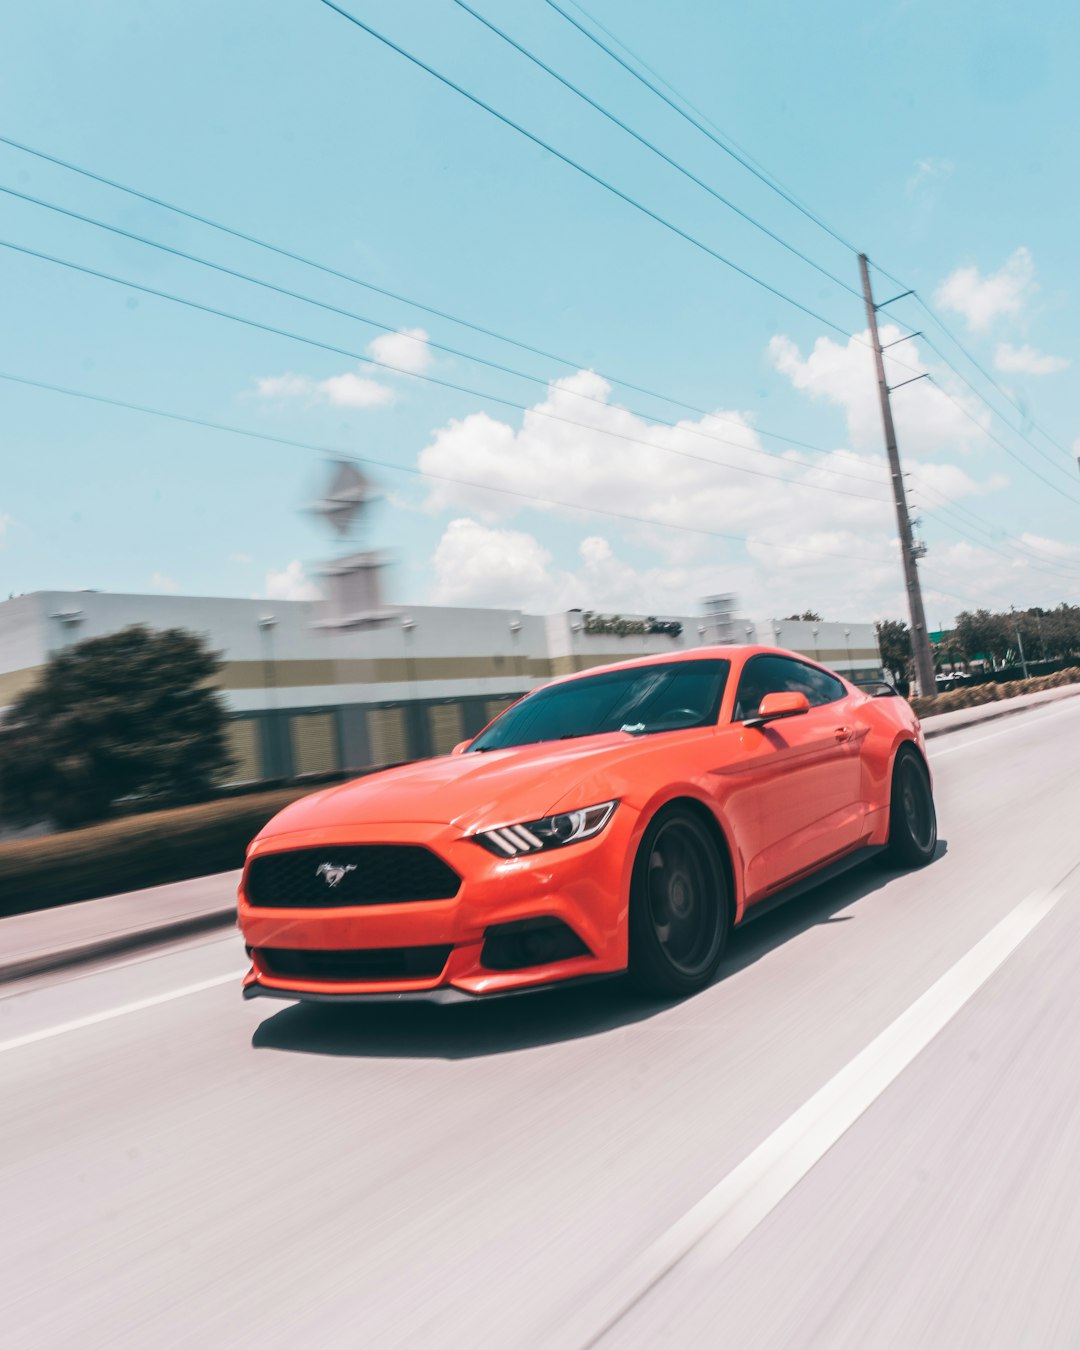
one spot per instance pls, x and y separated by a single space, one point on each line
865 1134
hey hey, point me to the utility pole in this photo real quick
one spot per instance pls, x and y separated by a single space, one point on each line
920 638
1019 641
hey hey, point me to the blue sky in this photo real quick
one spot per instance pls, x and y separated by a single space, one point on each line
939 139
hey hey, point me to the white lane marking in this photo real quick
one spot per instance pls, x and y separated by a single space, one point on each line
736 1205
76 1023
1015 726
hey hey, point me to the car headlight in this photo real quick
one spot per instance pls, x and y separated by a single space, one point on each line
533 836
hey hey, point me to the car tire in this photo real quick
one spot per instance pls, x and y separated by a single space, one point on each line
680 909
912 816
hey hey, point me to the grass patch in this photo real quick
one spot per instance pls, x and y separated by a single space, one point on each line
992 693
135 852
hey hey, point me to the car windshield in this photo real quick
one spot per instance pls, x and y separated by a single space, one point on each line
642 700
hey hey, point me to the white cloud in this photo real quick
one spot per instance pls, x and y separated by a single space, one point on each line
6 522
477 565
982 299
926 172
291 583
160 582
928 420
802 548
1053 550
405 350
1026 360
244 559
354 391
285 386
344 391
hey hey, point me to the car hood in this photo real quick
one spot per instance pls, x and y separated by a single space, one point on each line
467 791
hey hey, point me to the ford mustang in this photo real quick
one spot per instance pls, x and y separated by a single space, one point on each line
621 819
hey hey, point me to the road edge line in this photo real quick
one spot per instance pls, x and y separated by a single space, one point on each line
741 1200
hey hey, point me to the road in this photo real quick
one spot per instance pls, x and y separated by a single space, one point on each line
863 1135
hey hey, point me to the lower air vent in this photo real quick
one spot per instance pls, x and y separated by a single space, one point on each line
530 942
376 963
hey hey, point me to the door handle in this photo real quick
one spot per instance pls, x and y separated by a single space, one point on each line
843 734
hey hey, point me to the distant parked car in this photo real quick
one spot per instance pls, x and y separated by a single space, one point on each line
623 818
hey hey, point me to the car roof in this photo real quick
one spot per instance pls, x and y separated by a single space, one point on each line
734 653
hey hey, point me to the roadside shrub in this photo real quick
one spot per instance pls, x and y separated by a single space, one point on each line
975 695
135 852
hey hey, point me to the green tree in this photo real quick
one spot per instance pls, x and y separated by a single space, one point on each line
894 643
807 616
984 634
129 715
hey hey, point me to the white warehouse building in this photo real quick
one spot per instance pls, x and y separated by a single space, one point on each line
310 691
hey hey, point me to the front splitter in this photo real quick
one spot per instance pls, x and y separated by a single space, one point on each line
440 996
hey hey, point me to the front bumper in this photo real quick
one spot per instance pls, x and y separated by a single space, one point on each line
584 886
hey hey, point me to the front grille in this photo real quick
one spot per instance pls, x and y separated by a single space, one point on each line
357 874
376 963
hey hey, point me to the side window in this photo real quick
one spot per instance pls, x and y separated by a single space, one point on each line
818 687
777 675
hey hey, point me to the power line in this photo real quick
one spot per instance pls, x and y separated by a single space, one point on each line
936 317
1016 430
388 328
999 442
429 379
392 295
580 168
973 520
387 465
1037 566
652 146
739 156
743 159
417 473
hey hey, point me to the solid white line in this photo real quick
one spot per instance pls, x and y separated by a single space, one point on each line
94 1018
737 1204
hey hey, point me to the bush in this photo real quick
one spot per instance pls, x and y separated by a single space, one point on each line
129 854
975 695
132 714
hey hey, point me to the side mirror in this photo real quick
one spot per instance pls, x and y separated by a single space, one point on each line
461 747
775 706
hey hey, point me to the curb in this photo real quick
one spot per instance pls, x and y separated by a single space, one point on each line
116 945
1001 710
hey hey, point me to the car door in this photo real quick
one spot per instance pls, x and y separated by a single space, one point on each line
793 792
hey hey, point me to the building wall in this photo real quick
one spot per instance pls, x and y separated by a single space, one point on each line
306 699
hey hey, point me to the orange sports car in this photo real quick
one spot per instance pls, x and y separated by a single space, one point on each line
623 818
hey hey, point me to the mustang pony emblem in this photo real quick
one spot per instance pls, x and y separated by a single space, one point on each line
331 873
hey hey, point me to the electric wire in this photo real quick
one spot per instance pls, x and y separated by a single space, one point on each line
721 140
451 84
745 160
656 150
392 295
428 379
421 342
999 442
580 168
338 452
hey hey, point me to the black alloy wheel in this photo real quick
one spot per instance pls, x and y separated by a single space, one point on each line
679 906
912 817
